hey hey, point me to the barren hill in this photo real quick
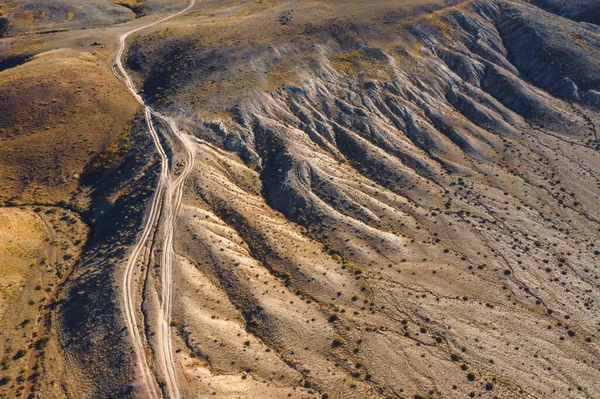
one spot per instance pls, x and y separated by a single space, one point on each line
335 199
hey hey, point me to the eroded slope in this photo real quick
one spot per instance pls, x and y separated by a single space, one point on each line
408 209
389 199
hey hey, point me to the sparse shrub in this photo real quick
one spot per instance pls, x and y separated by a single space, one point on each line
4 26
20 353
42 342
337 342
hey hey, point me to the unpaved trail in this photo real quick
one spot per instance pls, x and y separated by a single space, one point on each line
174 192
166 202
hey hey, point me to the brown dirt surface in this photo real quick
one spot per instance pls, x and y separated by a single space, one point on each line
61 110
322 199
39 246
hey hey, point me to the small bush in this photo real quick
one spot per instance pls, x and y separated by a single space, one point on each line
20 353
337 342
42 342
4 26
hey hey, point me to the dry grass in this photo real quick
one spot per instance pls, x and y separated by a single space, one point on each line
22 235
38 247
61 110
360 63
276 79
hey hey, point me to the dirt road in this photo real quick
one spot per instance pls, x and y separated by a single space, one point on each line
161 216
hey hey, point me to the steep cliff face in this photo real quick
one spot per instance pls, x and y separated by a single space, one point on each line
408 208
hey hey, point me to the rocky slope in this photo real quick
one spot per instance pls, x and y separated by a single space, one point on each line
389 200
410 209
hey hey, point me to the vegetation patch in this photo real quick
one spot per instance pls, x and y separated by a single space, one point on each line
365 62
138 7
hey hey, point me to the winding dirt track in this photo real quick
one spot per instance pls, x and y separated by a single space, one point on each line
161 215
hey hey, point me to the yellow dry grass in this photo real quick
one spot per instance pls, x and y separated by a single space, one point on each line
358 63
22 245
61 109
128 3
276 79
38 247
577 38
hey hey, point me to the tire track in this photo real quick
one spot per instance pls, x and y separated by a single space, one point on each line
167 201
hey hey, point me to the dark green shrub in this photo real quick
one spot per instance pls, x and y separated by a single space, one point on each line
337 342
20 353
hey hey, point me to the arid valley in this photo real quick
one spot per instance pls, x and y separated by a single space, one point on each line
300 199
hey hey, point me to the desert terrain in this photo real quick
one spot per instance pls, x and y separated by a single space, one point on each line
308 199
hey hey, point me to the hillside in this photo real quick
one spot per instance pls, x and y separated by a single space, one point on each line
337 199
